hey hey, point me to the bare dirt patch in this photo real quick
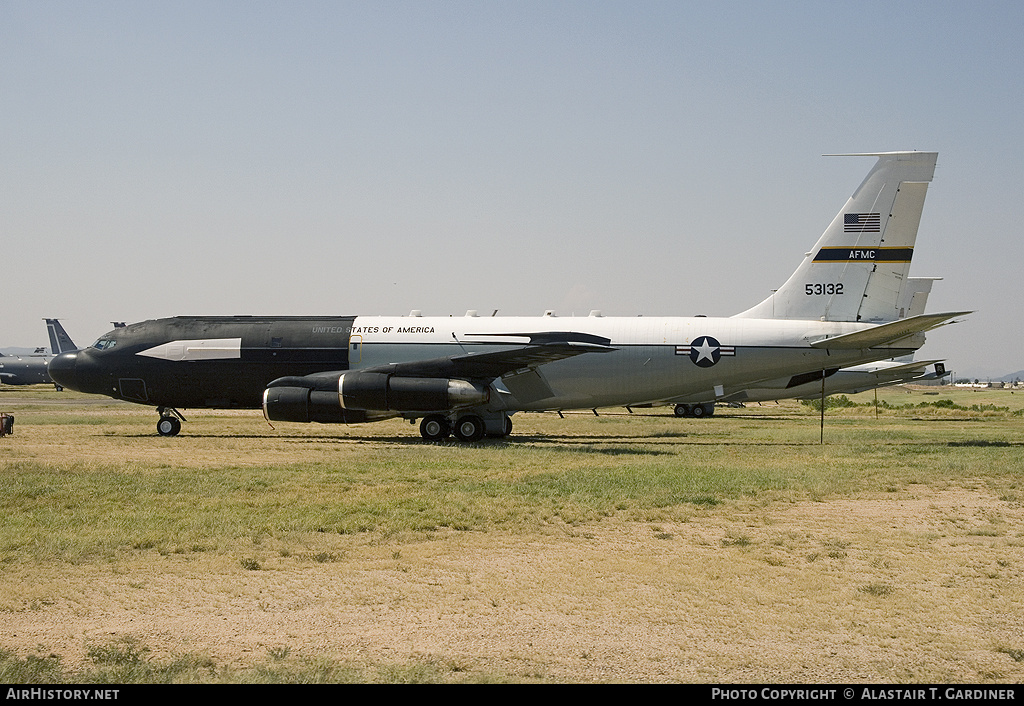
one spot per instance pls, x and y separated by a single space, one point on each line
920 585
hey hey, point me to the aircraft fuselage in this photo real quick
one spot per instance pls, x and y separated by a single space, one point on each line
24 370
224 362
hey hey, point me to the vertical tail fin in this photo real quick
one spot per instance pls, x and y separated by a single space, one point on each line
857 271
60 341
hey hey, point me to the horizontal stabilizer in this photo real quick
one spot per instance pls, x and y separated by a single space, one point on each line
888 333
901 369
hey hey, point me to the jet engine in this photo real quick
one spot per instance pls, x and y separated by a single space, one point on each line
380 391
364 397
306 404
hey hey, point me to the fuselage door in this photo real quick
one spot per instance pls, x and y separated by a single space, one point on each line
133 389
355 349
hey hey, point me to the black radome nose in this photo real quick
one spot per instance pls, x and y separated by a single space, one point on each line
63 370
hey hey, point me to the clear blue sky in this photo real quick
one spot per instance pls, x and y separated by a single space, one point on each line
657 158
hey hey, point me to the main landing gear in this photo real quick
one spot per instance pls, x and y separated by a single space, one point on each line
695 410
468 427
170 421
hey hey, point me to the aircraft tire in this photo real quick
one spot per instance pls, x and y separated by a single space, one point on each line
470 427
682 410
168 426
434 427
508 427
698 411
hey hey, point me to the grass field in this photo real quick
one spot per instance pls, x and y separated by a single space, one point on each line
621 547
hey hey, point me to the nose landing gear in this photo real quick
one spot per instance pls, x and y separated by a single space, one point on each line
170 421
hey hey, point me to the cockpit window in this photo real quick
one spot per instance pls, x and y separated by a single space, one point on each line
104 344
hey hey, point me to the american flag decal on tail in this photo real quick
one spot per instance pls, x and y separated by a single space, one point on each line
862 222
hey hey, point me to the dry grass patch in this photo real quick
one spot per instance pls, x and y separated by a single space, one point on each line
619 548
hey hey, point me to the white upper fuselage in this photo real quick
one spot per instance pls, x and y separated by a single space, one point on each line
654 358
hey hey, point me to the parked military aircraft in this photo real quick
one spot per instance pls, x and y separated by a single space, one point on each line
870 376
849 381
467 375
24 369
32 369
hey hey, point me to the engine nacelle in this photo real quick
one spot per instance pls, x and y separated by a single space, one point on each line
380 391
304 404
355 397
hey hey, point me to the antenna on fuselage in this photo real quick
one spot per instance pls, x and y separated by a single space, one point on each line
460 343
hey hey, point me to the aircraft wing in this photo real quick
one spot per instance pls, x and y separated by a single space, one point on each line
488 366
477 367
888 333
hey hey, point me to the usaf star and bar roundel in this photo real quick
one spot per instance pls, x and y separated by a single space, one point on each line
705 351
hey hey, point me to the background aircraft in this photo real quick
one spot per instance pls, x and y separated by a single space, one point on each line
870 376
24 369
32 369
858 378
467 375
